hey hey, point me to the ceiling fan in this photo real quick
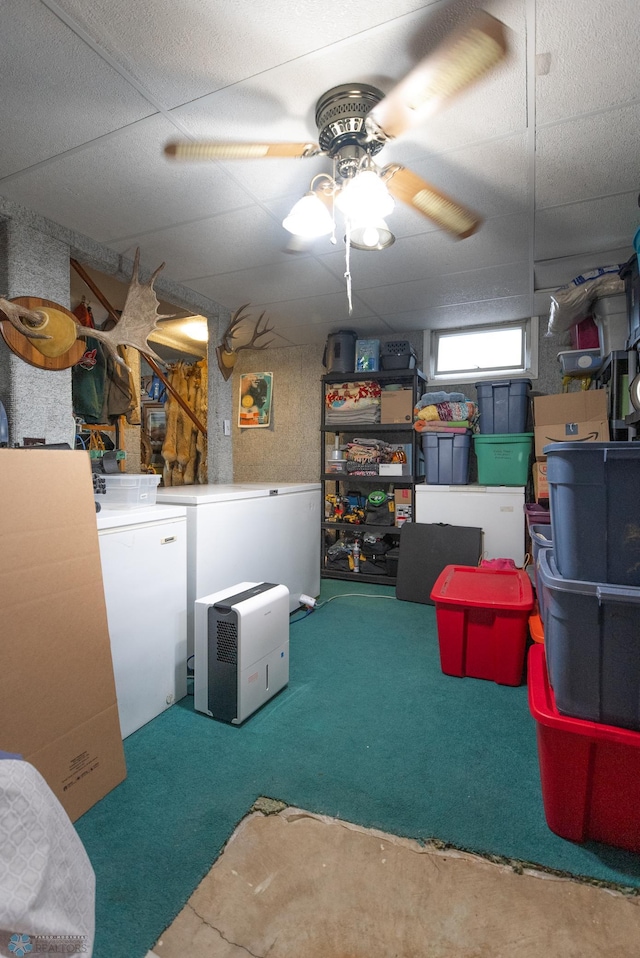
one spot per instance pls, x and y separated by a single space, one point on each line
356 120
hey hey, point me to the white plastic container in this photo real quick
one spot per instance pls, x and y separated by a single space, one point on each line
129 491
580 362
612 320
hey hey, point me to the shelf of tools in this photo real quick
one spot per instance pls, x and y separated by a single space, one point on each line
371 462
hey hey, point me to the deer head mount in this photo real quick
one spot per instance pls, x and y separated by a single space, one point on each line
226 352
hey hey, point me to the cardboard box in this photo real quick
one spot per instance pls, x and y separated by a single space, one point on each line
57 692
540 485
396 405
402 497
403 506
570 417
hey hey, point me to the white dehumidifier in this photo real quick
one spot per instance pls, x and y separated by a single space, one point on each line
241 649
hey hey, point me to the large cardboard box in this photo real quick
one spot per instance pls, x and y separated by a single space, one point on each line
57 693
396 405
570 417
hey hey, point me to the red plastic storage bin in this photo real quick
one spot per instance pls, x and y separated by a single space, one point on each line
590 773
482 616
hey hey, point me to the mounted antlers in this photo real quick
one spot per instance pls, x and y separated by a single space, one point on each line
54 329
26 321
226 353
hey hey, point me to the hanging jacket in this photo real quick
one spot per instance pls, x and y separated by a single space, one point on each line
88 376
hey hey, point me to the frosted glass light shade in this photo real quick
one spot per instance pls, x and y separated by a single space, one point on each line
365 197
309 217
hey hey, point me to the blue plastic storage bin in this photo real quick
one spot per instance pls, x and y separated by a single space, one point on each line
446 458
591 634
593 497
503 406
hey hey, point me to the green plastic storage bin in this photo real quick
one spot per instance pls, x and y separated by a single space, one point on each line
503 459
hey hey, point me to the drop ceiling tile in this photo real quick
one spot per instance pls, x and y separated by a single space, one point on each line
309 311
288 279
56 92
145 190
595 226
184 50
501 240
594 56
477 313
494 282
240 239
588 157
316 333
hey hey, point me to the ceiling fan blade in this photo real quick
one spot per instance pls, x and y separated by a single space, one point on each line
464 57
431 202
215 150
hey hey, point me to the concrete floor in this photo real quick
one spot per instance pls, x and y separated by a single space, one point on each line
297 885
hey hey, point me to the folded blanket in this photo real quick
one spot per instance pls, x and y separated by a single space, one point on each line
432 399
354 395
447 411
420 425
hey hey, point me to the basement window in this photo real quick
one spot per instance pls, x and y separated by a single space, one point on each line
477 353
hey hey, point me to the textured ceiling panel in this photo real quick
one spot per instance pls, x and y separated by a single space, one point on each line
598 225
56 92
503 239
311 332
246 238
188 49
146 192
588 157
495 282
291 278
477 313
593 47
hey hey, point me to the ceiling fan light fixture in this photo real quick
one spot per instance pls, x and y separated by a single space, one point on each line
365 197
309 217
371 235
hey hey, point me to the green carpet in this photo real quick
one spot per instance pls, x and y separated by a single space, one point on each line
369 730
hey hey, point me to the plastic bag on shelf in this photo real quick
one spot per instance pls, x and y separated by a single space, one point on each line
572 303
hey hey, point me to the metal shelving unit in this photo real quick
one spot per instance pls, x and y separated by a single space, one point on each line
339 484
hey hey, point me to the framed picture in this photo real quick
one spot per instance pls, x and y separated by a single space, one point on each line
254 405
154 421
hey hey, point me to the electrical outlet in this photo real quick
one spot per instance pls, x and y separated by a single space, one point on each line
226 427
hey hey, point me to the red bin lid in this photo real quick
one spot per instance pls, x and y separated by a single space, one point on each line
484 587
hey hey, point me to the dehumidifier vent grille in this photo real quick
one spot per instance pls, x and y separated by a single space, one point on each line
227 642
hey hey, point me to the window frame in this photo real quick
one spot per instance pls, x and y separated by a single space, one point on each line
529 368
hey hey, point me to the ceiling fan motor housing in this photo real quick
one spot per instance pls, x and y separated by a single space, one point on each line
340 116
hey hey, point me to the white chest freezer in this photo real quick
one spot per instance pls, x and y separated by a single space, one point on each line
258 532
144 569
497 510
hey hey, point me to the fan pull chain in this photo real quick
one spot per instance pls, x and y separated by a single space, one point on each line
347 272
